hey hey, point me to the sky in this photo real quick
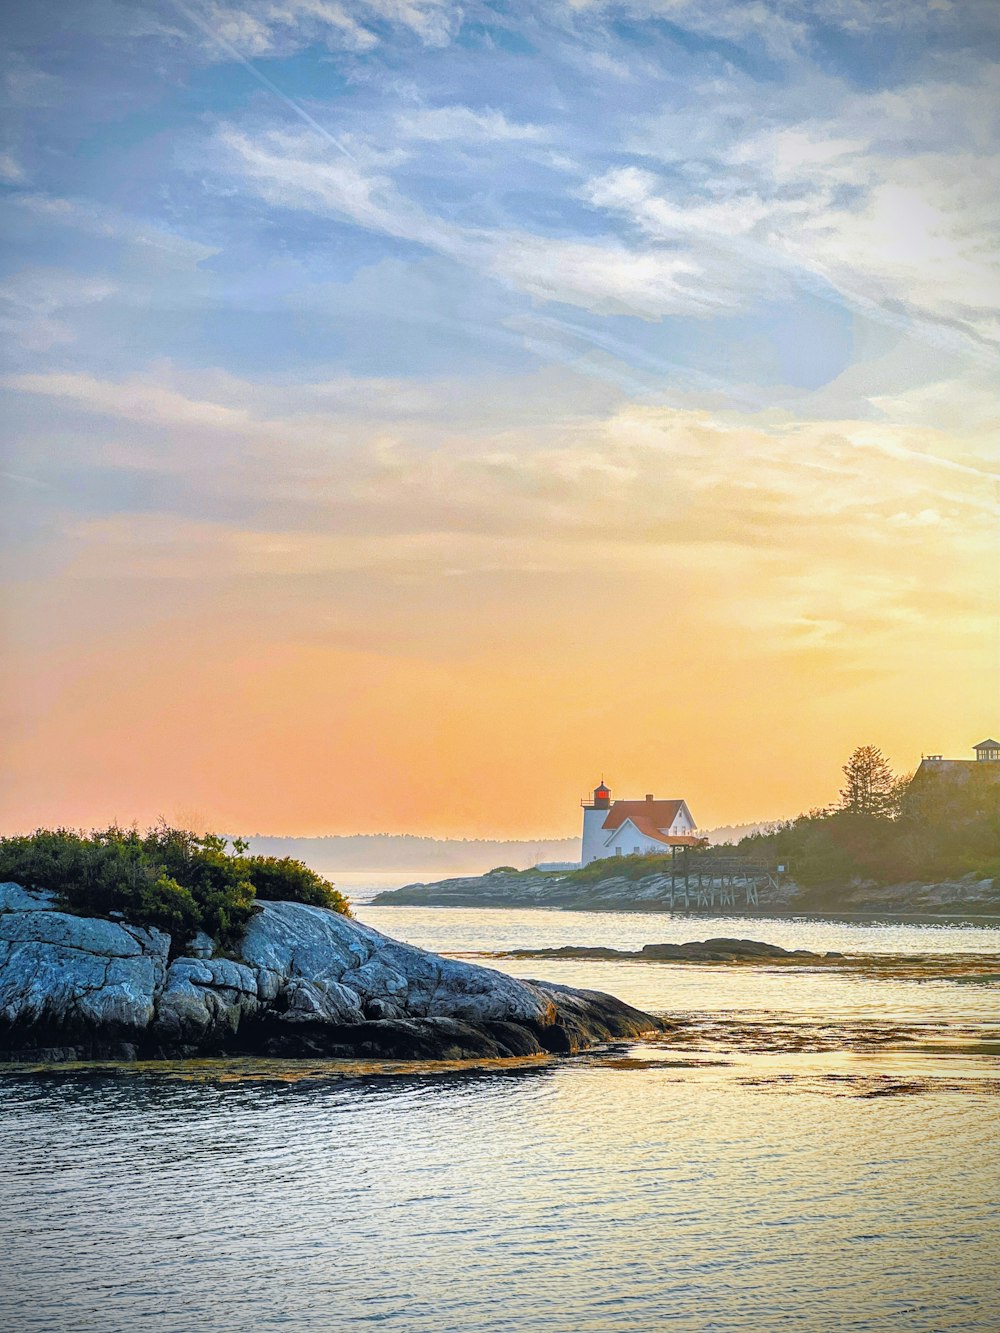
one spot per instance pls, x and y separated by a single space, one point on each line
415 411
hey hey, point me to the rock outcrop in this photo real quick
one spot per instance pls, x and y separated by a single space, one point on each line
306 981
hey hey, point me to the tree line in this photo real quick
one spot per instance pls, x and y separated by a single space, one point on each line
886 828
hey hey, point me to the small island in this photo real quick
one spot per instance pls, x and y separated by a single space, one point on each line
124 946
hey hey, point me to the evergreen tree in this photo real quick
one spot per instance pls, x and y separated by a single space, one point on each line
871 787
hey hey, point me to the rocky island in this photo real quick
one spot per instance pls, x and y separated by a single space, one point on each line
302 981
921 846
621 888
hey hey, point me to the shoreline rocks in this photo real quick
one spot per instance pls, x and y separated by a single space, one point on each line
306 981
969 896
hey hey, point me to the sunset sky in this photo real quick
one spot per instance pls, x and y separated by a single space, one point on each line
415 410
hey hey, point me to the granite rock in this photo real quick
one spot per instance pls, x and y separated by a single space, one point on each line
304 981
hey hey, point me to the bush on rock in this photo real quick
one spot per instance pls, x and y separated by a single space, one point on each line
285 880
170 878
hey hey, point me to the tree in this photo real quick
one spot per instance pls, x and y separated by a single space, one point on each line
871 787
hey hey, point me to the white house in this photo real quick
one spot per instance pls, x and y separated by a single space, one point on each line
623 828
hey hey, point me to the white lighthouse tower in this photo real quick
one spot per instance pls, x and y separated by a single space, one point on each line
595 812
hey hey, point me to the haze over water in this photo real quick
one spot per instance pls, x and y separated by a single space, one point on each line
805 1150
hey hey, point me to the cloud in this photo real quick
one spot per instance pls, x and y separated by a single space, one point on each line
272 29
636 475
788 29
605 276
884 199
25 86
296 170
279 27
879 198
137 400
98 220
968 406
912 229
696 543
32 301
446 124
779 29
11 171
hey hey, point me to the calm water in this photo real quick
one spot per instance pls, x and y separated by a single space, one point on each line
809 1151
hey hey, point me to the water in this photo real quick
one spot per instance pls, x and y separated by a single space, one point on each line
362 885
808 1150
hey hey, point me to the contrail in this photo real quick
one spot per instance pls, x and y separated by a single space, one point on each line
262 79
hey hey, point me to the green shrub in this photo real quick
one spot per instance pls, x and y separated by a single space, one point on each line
169 878
286 880
634 866
167 905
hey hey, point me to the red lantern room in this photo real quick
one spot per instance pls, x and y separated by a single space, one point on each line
602 797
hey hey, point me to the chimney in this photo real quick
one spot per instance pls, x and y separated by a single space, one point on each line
649 796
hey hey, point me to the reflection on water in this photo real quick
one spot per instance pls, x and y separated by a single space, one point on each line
510 928
817 1151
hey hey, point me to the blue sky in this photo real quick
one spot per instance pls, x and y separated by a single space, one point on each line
689 189
316 311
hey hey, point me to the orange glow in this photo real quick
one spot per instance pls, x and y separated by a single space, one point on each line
692 608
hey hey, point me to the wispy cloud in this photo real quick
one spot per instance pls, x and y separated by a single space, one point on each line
464 124
278 27
11 171
605 276
871 199
33 304
99 220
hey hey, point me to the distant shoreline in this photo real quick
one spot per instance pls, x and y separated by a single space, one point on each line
967 899
760 914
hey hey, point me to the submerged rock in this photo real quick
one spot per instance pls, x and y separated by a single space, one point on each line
695 951
305 981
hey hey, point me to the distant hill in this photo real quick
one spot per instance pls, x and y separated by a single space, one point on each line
471 856
733 832
404 851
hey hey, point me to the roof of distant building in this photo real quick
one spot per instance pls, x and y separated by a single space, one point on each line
960 769
651 818
987 745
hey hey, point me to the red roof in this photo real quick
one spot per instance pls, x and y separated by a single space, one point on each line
652 818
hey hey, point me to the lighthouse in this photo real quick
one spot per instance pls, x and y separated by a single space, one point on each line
595 812
634 828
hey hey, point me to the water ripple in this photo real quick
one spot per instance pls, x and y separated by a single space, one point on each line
795 1154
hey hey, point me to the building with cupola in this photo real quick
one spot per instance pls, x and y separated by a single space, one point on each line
630 828
986 752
